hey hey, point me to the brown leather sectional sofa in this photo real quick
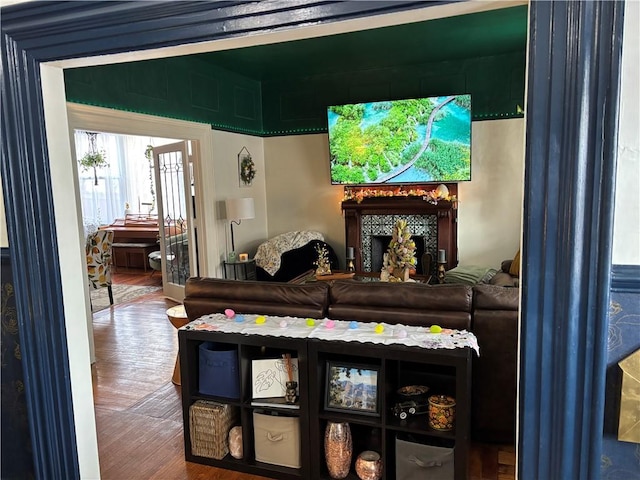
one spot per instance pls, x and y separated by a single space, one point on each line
489 311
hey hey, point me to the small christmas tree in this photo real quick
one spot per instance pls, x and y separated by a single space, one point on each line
400 256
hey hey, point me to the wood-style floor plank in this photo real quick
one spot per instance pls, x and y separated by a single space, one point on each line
138 409
164 403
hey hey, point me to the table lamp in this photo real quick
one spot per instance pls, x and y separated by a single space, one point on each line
238 209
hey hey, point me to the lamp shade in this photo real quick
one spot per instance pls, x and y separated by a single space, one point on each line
239 208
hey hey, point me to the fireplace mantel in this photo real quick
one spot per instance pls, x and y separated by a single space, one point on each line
445 212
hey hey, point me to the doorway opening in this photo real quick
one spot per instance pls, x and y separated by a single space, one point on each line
118 191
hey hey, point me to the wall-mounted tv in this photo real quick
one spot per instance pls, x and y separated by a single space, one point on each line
421 140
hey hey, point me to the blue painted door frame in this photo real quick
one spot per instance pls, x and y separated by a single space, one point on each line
572 122
572 111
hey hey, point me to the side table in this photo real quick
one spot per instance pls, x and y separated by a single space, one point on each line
178 318
238 270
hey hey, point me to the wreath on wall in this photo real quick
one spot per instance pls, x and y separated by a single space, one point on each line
246 166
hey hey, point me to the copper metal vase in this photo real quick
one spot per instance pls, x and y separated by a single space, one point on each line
369 465
338 448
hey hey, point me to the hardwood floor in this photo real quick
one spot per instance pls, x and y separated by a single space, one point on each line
138 411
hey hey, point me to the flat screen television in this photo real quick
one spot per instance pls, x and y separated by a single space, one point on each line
421 140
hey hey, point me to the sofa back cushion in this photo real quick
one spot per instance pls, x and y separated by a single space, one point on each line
212 295
495 297
407 303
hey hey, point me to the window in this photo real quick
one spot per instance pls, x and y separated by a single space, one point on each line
127 181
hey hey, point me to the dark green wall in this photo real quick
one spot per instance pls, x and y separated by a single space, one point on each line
183 87
189 89
298 105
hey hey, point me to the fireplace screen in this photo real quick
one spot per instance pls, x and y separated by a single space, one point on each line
376 235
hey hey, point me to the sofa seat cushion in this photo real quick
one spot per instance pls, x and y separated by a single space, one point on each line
407 303
211 295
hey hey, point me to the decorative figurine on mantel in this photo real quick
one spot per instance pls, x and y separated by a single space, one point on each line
400 257
323 263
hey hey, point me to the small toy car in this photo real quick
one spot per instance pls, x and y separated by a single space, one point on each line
410 407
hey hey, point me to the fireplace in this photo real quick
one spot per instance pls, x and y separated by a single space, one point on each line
373 257
368 227
380 243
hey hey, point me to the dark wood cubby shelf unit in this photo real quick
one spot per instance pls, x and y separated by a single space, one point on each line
444 371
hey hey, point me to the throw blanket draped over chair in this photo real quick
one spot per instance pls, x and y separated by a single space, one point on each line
269 252
290 254
98 250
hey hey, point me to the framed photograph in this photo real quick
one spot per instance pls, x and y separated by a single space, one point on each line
352 388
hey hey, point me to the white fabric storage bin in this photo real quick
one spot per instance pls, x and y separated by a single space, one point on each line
277 439
415 461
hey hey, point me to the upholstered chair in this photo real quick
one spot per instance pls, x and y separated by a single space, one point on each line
98 249
284 257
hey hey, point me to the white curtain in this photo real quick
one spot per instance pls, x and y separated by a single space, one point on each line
128 179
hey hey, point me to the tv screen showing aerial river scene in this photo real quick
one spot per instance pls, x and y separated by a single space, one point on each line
420 140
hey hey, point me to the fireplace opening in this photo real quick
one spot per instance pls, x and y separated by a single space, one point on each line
379 245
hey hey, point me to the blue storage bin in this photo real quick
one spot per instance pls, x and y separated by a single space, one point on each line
218 372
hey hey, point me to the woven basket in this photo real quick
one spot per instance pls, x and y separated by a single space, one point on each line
209 424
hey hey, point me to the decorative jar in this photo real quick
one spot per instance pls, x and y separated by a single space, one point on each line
442 412
338 448
369 465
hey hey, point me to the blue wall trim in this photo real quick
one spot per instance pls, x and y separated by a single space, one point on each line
38 290
572 112
625 279
570 164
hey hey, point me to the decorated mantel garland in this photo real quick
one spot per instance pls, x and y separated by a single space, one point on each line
438 194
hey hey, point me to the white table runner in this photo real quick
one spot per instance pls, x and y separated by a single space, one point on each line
340 330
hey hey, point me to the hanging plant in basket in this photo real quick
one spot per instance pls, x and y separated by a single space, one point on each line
246 166
94 158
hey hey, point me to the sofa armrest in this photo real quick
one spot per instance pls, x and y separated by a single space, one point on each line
494 376
494 383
